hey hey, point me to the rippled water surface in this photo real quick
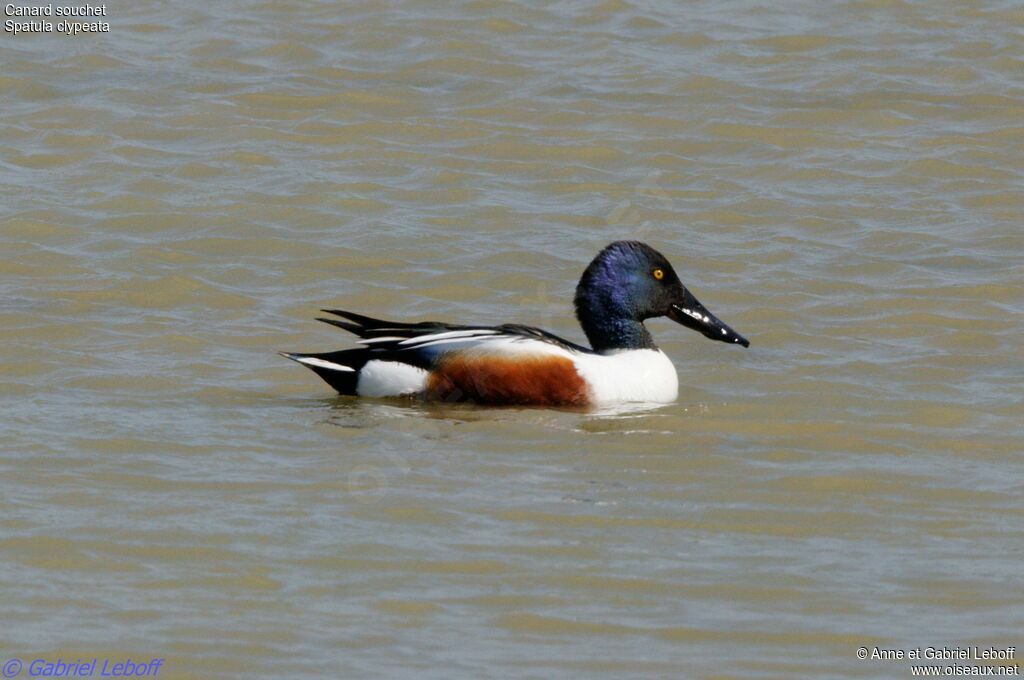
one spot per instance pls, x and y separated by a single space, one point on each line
843 183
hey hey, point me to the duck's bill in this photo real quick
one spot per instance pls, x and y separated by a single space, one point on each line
692 314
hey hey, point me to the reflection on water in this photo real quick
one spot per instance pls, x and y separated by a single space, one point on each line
182 194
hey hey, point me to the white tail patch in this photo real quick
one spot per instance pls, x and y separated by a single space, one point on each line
390 379
330 365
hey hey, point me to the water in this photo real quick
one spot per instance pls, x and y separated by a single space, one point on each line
842 184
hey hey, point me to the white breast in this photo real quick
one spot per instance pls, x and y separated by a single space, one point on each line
629 375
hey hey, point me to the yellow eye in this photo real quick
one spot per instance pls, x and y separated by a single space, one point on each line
658 274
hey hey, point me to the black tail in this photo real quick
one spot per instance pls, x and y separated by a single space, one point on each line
368 327
341 369
344 375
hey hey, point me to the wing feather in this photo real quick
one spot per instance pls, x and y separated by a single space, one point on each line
380 336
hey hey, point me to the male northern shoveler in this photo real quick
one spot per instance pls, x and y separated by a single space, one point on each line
625 284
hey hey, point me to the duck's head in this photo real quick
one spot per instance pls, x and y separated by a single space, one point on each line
629 282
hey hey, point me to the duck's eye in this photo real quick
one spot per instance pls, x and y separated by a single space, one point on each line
658 274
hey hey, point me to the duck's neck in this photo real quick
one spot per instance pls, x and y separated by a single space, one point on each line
610 333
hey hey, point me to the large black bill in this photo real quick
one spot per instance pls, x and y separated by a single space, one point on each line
691 313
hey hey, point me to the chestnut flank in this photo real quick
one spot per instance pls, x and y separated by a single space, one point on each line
541 381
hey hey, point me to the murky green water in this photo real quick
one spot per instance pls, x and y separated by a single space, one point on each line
841 183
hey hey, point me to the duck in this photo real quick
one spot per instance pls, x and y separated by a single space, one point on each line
625 284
